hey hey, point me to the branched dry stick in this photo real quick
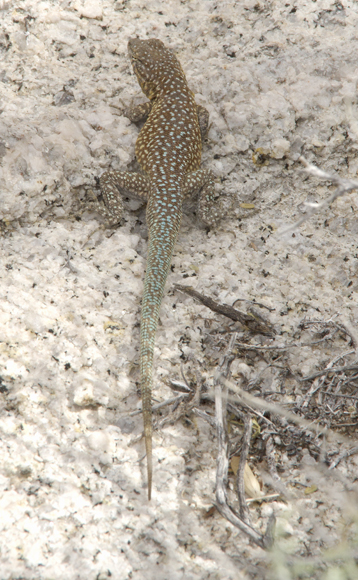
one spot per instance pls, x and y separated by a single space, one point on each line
222 467
343 455
253 320
343 186
317 384
244 398
345 328
222 505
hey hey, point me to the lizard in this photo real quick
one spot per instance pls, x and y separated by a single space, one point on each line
168 149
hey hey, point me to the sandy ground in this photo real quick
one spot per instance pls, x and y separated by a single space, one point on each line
279 80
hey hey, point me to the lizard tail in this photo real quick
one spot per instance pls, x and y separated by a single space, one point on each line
160 249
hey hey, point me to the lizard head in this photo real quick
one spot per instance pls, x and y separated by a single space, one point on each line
156 67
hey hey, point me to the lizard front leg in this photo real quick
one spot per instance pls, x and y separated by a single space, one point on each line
139 113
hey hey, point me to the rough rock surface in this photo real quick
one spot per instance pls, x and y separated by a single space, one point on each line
279 80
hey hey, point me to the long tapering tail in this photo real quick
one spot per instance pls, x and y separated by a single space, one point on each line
162 237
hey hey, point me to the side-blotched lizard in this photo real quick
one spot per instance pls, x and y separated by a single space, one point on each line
168 150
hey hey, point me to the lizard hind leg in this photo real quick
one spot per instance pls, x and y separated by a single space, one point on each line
113 185
203 181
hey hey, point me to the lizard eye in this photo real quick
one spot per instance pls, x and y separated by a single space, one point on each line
136 59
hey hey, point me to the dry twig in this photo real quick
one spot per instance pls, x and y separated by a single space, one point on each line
240 483
270 456
253 321
329 370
